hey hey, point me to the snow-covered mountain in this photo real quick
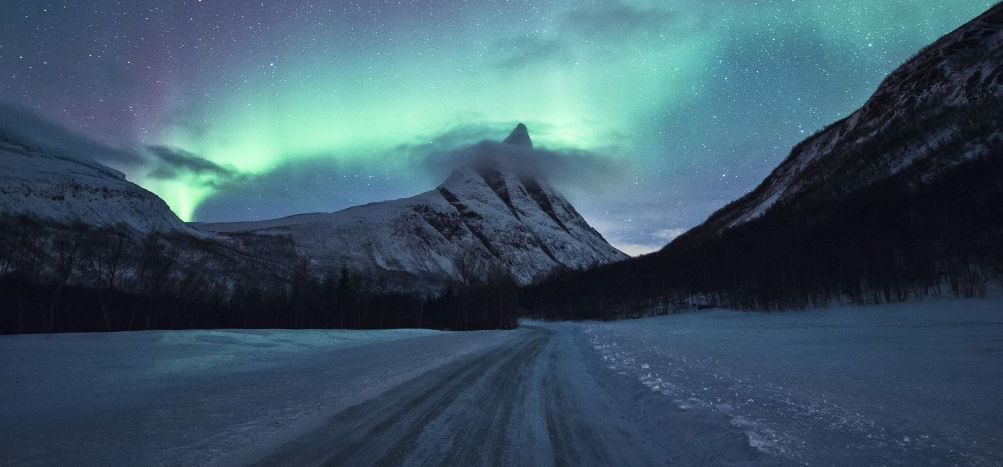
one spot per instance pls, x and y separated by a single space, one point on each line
483 218
936 111
39 183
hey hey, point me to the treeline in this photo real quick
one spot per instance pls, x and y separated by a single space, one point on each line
892 241
57 278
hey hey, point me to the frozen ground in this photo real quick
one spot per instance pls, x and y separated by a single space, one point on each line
900 384
535 396
194 397
906 384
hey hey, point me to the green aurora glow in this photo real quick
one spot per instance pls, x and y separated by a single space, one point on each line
697 99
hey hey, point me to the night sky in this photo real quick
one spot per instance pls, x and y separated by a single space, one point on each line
235 110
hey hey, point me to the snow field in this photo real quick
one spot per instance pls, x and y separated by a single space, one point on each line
196 397
891 384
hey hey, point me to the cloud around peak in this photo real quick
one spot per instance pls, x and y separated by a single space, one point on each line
569 168
170 162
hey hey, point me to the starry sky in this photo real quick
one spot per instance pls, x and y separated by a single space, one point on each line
238 110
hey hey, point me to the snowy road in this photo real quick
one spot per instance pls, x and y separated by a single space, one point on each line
196 397
538 395
531 401
904 384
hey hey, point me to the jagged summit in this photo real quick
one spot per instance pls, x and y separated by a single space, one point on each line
519 137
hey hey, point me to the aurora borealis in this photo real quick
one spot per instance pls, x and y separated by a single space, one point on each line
248 110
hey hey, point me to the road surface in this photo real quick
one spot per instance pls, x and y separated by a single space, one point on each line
906 384
536 399
539 395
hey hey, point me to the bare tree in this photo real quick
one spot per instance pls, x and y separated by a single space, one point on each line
157 262
106 262
65 253
472 268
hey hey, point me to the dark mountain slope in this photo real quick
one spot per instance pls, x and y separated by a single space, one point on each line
902 198
936 111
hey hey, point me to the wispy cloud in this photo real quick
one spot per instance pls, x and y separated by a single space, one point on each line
23 126
527 51
169 162
619 21
637 249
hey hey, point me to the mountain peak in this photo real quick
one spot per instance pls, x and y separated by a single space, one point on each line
519 137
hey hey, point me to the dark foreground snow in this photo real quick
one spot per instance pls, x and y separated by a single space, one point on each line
194 397
535 396
905 384
899 384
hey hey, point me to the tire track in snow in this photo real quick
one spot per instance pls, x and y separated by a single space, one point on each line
529 401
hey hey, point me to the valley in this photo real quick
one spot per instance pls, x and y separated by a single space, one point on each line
285 233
